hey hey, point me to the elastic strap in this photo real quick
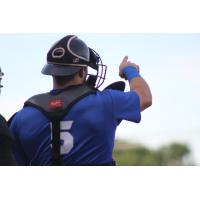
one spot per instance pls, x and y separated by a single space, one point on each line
56 157
130 73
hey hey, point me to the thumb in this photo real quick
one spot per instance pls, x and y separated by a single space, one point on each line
123 63
125 59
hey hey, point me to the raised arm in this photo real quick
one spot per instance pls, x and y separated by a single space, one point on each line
130 71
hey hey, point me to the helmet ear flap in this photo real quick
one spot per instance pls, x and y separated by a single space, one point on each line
95 62
94 59
91 80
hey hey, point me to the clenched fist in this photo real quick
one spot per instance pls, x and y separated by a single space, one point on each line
125 63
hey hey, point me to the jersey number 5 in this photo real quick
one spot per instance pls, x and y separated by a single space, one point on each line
66 139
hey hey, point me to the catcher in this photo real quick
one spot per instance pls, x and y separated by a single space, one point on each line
75 123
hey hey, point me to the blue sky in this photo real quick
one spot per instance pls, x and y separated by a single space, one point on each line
170 63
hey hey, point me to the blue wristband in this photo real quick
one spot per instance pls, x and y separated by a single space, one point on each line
130 73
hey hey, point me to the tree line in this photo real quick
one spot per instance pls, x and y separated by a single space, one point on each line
173 154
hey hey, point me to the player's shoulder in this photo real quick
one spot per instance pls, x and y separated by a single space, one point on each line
117 93
117 97
26 114
110 92
107 93
26 111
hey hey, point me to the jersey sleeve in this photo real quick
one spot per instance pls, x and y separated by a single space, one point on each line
17 147
126 106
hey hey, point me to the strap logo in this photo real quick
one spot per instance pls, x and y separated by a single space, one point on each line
55 103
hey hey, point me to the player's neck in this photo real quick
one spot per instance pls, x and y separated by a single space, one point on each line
71 83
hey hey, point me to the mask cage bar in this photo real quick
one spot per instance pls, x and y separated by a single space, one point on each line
101 70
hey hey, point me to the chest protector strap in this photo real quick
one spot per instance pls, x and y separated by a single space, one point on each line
55 107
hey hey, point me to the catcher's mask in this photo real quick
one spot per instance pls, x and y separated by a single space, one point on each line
1 74
68 55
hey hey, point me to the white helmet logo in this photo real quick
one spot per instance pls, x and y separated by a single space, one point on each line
58 52
75 60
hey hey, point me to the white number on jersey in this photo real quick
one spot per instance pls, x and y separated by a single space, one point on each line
67 140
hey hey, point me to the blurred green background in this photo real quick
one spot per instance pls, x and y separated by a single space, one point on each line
173 154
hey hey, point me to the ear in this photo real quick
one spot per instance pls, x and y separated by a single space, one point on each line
82 72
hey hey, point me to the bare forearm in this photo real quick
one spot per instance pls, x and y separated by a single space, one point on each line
130 71
140 86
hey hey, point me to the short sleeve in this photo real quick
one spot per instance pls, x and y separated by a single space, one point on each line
17 147
126 105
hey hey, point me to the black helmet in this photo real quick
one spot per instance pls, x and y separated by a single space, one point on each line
68 55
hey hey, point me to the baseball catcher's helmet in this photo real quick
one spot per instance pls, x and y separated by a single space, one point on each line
68 55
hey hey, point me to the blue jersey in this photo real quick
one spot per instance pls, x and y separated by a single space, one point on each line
87 131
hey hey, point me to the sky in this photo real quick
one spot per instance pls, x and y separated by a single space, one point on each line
170 63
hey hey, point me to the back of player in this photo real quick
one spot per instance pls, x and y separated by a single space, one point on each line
87 132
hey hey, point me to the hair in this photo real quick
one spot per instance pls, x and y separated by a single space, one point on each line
62 80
